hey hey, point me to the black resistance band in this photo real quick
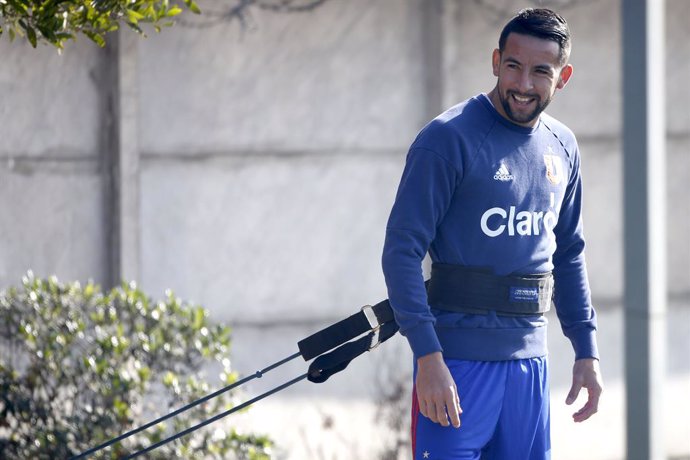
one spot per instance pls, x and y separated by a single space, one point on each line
378 324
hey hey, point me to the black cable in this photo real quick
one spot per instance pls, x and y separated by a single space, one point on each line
215 418
321 369
257 374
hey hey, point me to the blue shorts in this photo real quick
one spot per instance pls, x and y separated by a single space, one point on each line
505 414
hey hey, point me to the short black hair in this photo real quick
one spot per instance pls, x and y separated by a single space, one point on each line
541 23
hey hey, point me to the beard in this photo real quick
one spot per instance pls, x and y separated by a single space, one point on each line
520 118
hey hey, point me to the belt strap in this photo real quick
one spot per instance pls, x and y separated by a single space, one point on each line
367 319
475 290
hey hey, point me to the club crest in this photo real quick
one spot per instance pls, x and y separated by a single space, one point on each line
554 168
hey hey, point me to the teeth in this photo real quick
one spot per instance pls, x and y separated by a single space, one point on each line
521 98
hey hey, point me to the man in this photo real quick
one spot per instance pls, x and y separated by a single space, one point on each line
492 191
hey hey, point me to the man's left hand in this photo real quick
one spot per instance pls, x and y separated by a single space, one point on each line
586 374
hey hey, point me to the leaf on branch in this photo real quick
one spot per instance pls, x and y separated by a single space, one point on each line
193 7
174 11
96 38
31 35
134 17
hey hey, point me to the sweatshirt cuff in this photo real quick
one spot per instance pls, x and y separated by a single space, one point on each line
584 343
423 339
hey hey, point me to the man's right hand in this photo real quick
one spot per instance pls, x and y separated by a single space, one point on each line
436 391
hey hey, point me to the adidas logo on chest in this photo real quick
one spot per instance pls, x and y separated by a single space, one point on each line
502 174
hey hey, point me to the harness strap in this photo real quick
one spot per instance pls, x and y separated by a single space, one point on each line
367 319
337 360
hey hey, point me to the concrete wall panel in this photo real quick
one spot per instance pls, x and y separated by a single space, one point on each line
50 102
271 240
51 223
334 78
602 177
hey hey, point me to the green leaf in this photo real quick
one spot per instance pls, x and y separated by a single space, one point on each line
134 17
174 11
20 7
193 7
100 41
198 319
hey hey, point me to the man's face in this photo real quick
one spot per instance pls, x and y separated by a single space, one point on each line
529 73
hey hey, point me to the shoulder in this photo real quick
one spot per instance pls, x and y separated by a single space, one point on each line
562 133
464 124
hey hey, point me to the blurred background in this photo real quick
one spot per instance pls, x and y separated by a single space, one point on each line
259 156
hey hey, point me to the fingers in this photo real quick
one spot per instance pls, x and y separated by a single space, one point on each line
591 407
436 391
574 391
442 409
436 412
441 416
454 409
586 374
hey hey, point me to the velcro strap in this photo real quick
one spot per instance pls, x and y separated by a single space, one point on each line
471 290
331 363
343 331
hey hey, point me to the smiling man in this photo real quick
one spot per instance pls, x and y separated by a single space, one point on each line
492 191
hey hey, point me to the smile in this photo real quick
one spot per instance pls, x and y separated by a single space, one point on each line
522 100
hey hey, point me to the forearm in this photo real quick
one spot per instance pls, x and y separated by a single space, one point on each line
407 293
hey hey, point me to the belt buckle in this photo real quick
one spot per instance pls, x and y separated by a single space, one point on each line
375 339
369 314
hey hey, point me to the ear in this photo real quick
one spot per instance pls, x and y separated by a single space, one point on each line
496 61
566 73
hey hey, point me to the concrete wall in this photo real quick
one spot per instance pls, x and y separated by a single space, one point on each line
277 164
268 158
51 192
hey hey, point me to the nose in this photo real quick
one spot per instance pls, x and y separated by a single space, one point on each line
525 83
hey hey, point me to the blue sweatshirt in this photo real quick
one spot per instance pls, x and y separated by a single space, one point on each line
480 191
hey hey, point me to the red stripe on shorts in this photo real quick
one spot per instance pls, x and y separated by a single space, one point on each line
415 416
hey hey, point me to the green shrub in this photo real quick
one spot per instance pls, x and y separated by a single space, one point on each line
79 366
56 21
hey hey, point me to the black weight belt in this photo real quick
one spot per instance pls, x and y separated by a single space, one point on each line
474 290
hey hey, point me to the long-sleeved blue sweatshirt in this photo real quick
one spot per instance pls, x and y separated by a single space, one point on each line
480 191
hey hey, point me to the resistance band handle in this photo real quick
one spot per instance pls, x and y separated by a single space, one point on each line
337 360
344 330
